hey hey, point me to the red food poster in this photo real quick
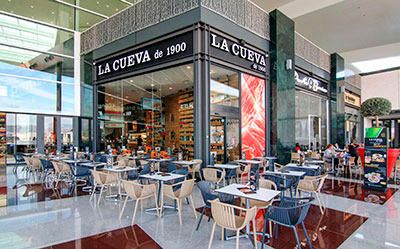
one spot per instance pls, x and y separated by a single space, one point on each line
253 115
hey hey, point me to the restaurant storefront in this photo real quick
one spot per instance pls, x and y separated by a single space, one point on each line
312 110
353 117
192 91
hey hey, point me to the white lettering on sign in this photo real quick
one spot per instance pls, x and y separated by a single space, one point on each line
139 58
236 49
310 83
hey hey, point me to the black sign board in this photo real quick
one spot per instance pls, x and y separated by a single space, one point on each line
304 81
375 158
167 50
238 54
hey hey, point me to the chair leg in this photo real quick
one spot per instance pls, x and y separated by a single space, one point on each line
306 234
194 209
134 212
276 230
264 232
93 192
101 192
254 233
222 233
237 239
321 207
212 235
297 237
201 217
180 210
123 207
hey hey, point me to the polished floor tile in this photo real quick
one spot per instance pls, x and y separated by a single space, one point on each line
132 237
328 230
356 191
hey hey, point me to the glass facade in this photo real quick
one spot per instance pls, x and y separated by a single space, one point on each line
311 120
149 111
237 115
225 114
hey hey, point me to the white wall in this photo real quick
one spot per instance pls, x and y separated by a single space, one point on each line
386 85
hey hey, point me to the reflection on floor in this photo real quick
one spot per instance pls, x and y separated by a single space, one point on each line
131 237
328 230
22 189
356 191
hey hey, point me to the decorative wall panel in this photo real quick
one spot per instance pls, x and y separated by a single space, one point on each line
311 53
132 19
150 12
243 13
253 115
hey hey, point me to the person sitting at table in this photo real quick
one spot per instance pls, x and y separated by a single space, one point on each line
330 154
353 151
298 148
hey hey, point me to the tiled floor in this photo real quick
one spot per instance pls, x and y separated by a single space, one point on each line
356 191
132 237
328 230
21 189
47 223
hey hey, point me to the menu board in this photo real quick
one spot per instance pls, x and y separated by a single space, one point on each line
376 147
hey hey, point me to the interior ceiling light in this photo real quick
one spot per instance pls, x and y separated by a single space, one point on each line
377 64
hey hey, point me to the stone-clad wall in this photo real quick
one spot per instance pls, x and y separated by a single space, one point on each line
149 12
141 15
311 53
243 13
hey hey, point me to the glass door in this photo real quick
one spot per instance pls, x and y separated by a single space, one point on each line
314 132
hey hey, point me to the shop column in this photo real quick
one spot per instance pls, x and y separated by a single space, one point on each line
337 113
282 100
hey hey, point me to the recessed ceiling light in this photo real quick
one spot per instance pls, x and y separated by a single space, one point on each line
32 17
170 88
98 2
131 81
87 23
108 6
152 84
53 13
116 9
32 6
188 67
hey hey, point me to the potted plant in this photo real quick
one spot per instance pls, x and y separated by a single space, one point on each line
375 107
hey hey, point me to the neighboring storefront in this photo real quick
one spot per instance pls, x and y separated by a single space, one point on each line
196 90
312 110
353 117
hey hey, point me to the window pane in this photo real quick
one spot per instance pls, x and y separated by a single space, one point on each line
311 120
153 110
50 135
28 82
67 138
225 114
26 133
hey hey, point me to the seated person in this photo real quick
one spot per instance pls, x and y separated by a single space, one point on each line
330 154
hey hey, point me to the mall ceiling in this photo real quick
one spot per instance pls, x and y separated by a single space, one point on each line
359 30
60 12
